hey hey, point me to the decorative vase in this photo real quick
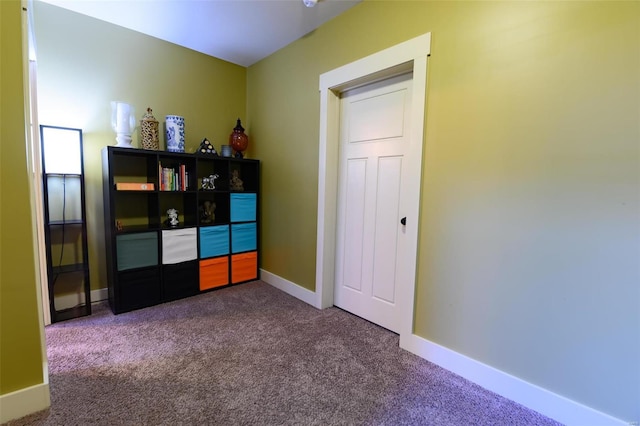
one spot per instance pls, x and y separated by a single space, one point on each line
175 133
238 140
123 121
149 131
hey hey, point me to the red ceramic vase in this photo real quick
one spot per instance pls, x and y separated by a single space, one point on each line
238 140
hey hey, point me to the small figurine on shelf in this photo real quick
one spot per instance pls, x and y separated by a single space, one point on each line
207 212
172 217
206 148
236 183
209 182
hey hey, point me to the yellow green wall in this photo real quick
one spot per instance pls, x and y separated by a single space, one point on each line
529 225
84 64
529 232
21 363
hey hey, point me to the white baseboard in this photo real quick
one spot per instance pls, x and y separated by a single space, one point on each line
75 299
288 287
99 294
531 396
24 402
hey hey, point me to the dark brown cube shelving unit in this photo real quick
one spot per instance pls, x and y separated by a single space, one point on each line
148 260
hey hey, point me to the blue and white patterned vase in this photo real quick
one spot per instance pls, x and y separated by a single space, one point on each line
175 133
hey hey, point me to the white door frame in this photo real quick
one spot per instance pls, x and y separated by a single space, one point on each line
412 56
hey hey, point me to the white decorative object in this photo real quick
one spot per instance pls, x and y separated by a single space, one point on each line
209 182
175 133
123 122
172 217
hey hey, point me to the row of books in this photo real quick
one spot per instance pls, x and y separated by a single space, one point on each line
173 178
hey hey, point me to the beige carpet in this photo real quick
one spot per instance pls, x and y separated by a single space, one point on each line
252 355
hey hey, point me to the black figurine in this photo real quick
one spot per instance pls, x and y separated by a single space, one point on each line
207 148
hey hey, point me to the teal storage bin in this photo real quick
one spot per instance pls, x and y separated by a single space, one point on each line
243 207
137 250
244 237
214 241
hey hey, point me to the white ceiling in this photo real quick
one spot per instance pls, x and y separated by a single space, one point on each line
238 31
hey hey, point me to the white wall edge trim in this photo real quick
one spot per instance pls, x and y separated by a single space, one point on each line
288 287
24 402
531 396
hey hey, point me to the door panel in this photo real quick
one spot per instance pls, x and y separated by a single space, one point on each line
386 235
374 122
377 117
354 230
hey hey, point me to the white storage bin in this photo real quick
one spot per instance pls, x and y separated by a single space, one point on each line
179 245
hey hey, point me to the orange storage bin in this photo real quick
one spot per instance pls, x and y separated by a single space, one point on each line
214 272
244 267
